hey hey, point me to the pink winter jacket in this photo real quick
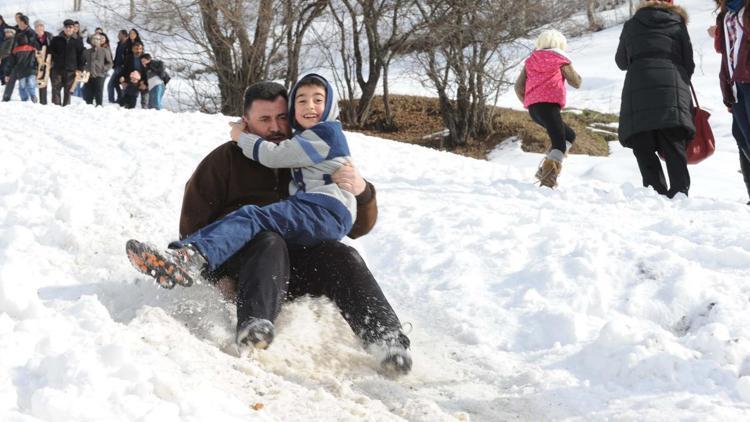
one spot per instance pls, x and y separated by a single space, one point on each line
543 78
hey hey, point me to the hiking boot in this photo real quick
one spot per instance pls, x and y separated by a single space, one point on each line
548 172
174 266
257 332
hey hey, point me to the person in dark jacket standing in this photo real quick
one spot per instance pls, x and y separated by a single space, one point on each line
25 29
656 110
119 59
43 39
97 61
6 48
732 40
67 59
133 63
133 38
22 70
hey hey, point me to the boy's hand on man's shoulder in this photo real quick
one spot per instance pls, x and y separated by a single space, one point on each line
237 128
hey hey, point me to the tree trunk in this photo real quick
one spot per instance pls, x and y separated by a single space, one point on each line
594 24
131 16
389 124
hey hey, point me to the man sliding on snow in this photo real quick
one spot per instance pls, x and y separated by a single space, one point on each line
288 248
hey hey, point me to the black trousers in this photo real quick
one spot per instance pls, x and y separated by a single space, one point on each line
548 116
43 95
94 90
9 87
742 145
671 143
268 273
62 80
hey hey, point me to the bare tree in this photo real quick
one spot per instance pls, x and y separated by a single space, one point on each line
77 5
374 32
594 23
465 54
298 16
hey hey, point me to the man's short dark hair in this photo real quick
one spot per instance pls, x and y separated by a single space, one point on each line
124 32
265 90
25 19
137 43
146 56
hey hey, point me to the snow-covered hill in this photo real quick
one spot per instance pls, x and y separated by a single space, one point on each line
596 301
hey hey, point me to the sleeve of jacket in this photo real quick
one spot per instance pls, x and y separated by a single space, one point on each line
520 86
302 150
570 75
621 57
687 52
367 212
79 54
205 192
108 62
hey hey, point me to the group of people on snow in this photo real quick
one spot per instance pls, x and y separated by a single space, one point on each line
656 111
75 69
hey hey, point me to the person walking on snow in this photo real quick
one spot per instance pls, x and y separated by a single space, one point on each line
67 60
732 41
541 88
318 209
22 70
656 112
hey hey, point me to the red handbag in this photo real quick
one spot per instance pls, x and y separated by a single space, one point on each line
703 144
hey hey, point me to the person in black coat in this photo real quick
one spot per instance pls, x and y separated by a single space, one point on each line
67 59
119 59
656 112
133 63
25 29
22 65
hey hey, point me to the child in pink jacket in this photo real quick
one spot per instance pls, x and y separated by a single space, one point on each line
541 88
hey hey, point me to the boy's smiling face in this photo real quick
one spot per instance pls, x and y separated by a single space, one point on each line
309 105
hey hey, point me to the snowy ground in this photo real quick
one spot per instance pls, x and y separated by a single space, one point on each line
596 301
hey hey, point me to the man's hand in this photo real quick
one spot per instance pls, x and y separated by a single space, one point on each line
238 128
349 179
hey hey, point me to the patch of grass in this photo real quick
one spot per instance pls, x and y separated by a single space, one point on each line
416 117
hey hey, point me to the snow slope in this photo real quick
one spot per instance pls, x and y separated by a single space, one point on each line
596 301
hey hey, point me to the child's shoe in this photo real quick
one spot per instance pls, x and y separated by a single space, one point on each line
257 332
173 266
550 169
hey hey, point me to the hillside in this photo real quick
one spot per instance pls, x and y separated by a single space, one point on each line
596 301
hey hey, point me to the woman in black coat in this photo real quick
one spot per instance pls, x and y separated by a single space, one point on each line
133 38
656 113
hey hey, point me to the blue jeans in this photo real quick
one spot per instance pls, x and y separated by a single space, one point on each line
154 96
27 88
298 221
113 86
